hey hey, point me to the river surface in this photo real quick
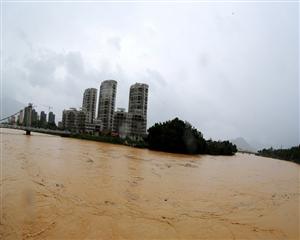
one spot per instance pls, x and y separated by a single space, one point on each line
64 188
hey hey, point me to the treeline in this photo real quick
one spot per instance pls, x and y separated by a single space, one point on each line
291 154
111 139
220 148
41 124
174 136
47 125
180 137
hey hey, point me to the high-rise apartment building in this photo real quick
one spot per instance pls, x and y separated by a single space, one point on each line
89 104
51 118
27 115
21 117
106 106
138 98
133 124
43 119
34 118
137 109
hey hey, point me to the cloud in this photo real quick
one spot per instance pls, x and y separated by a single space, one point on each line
155 78
55 74
230 75
115 42
74 64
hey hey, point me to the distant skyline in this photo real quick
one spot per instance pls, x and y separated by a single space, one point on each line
230 69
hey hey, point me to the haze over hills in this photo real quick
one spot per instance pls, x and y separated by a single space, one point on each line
243 145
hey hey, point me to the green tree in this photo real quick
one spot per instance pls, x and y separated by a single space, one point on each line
181 137
176 136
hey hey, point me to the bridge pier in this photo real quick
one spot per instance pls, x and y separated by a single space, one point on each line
27 132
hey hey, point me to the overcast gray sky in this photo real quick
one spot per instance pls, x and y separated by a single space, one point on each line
230 69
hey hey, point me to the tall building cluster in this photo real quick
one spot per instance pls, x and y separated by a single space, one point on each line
132 124
29 117
108 121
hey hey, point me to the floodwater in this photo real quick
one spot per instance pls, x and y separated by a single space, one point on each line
63 188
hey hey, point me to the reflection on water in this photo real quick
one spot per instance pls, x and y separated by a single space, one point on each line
62 188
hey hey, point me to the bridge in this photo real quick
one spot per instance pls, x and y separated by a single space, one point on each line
28 128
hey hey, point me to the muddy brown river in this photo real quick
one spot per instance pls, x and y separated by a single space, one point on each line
63 188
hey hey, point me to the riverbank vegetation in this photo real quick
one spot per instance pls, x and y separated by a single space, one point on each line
112 139
292 154
174 136
180 137
220 148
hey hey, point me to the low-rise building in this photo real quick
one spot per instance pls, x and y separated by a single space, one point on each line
120 123
129 125
136 126
73 120
94 128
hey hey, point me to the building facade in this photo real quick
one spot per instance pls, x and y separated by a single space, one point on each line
21 117
89 104
94 128
73 120
137 109
27 115
133 124
106 105
136 126
60 125
43 119
34 118
120 123
51 118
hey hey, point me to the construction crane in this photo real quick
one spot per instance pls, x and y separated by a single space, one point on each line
49 107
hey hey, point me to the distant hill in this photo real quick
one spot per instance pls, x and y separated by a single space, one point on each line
243 145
